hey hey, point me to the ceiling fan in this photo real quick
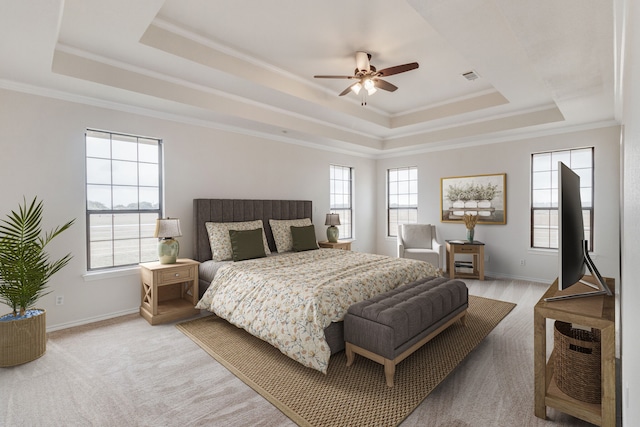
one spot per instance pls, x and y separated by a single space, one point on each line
369 78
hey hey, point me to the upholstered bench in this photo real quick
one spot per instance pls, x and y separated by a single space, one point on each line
389 327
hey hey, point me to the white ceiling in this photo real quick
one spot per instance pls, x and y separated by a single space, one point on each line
247 65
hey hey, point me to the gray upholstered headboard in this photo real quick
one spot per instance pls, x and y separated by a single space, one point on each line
234 210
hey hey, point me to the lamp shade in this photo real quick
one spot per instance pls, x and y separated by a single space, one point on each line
167 227
332 219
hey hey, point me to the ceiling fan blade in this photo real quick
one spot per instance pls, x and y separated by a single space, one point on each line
397 69
381 84
347 90
334 77
362 61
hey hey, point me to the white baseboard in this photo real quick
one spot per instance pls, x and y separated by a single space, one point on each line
51 328
515 277
59 326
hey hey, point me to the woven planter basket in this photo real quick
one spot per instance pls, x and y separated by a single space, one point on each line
23 340
577 362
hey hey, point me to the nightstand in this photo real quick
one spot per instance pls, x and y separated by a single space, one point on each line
475 249
169 291
344 244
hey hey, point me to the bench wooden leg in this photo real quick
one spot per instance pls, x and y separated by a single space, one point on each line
389 371
350 354
390 365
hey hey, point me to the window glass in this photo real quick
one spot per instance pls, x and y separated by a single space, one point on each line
123 189
544 194
340 198
402 198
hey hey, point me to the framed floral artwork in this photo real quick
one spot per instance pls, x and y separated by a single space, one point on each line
482 195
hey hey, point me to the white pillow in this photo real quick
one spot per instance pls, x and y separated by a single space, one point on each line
281 229
221 242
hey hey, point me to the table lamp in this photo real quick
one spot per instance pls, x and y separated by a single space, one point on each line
168 247
332 232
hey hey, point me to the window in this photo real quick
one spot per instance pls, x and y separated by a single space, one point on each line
544 194
124 188
402 198
341 185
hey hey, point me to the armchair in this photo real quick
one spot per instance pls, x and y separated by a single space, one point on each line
421 242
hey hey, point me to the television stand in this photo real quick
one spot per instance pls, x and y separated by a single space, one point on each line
578 295
600 284
597 312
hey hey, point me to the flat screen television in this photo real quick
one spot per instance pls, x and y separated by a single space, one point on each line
573 249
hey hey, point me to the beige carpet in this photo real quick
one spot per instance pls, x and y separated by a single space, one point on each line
355 396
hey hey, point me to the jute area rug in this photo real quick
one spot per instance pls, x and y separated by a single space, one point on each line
356 395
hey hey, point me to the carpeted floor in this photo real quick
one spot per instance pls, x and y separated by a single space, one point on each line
125 372
356 395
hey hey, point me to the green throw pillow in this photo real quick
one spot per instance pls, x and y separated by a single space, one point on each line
247 244
304 238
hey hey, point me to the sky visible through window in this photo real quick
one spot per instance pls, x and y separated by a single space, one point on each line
123 198
340 194
544 194
402 198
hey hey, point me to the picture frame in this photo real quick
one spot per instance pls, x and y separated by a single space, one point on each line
482 195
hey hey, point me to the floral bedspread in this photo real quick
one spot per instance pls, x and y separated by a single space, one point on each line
288 300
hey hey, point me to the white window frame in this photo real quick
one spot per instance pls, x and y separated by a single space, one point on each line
544 194
119 236
402 198
341 198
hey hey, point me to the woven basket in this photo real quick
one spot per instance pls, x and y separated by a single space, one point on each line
23 340
577 362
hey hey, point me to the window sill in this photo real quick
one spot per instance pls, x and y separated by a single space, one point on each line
108 274
543 251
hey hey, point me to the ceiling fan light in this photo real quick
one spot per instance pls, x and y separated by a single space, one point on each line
368 84
356 88
372 90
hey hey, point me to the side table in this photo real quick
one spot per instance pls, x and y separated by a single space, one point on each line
169 291
475 249
594 312
340 244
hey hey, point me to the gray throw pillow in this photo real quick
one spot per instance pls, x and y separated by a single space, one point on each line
304 238
247 244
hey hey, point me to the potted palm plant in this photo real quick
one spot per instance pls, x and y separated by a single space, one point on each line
25 270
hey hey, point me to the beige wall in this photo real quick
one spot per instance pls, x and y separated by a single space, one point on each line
507 244
42 146
630 291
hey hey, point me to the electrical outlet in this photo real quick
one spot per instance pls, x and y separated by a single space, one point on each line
626 395
60 300
523 262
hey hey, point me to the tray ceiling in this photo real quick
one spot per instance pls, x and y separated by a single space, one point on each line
248 66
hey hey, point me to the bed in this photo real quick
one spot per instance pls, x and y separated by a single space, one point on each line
293 300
